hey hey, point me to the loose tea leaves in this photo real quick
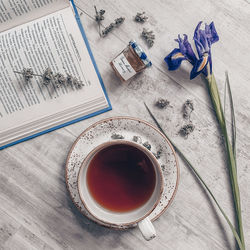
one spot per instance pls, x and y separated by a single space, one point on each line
158 153
117 136
163 167
147 145
137 139
141 17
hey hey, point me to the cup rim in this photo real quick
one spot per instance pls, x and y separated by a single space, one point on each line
144 150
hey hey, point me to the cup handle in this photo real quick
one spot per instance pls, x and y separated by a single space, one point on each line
147 229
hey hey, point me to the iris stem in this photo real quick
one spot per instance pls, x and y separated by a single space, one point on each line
215 98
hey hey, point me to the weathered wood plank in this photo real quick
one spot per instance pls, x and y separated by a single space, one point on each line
35 208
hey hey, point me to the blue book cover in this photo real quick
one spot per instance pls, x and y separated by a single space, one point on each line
107 108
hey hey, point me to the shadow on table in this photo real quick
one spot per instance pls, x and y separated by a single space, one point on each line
182 75
94 229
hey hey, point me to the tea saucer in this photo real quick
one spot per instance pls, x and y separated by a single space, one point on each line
130 129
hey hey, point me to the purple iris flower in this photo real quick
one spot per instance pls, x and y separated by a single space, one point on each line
203 40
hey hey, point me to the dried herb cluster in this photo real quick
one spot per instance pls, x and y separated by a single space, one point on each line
188 108
99 15
49 77
148 36
162 103
187 129
141 17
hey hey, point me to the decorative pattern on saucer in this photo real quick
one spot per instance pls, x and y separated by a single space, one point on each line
131 129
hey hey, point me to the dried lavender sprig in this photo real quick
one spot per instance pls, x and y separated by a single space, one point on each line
148 36
22 73
47 76
141 17
99 16
117 23
27 74
78 83
59 79
69 79
188 108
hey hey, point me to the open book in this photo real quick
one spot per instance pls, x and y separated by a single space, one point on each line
39 34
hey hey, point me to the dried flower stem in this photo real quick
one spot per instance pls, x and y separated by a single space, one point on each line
99 16
117 23
21 73
86 13
97 20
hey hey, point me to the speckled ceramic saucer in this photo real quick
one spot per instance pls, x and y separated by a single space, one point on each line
130 129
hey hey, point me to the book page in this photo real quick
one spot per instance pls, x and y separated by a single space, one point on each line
55 41
16 12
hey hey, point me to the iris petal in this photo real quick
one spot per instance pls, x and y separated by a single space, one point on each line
189 51
174 59
186 48
199 66
197 31
214 35
203 39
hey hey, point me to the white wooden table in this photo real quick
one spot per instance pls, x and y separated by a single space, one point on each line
35 208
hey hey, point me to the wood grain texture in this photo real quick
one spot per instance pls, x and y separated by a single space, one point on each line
35 209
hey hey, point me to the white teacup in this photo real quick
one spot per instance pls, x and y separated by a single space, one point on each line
138 216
